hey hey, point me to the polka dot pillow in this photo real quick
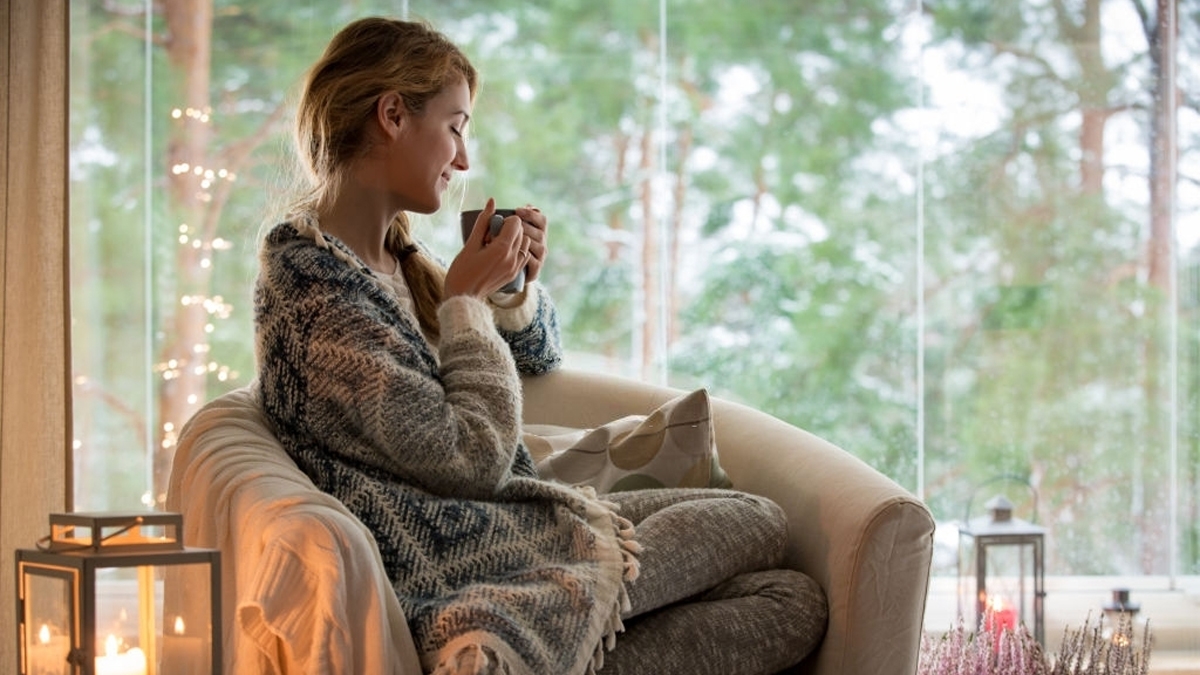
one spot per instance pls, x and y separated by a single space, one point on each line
672 447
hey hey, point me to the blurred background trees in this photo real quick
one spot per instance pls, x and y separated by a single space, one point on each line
933 233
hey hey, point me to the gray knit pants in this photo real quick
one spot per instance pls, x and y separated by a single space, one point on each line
711 598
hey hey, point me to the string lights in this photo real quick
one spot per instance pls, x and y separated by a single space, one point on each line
198 362
191 361
208 176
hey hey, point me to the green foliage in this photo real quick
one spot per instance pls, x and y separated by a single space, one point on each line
776 145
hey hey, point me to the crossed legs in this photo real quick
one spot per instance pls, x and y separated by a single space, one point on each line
711 597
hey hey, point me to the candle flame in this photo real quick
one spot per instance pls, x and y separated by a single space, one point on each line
997 603
179 627
44 634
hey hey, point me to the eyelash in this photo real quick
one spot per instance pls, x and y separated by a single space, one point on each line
456 132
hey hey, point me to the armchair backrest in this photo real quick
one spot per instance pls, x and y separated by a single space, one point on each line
303 586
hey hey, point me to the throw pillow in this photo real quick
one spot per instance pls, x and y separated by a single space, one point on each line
674 446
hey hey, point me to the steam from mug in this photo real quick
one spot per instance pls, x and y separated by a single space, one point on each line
467 221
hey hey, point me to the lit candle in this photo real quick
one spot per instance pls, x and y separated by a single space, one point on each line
39 653
48 653
115 662
1001 617
183 654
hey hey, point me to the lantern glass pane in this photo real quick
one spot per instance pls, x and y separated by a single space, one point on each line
48 621
125 599
999 584
154 619
1009 586
187 645
967 583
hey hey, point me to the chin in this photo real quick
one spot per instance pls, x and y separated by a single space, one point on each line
425 206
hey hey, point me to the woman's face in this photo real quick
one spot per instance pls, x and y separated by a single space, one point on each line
428 148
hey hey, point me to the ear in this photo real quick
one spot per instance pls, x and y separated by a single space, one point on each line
390 114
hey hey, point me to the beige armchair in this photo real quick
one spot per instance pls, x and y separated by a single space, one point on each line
863 538
286 546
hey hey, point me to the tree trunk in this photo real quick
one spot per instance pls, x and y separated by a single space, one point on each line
1162 149
1153 545
184 363
651 289
1160 39
1094 105
679 204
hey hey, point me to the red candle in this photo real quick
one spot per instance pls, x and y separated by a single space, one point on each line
999 616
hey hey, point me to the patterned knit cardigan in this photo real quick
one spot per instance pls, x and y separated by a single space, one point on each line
497 571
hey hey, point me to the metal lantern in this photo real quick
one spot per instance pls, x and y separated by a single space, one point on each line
1124 627
1001 571
118 594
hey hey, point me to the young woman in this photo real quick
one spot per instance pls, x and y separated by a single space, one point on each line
394 384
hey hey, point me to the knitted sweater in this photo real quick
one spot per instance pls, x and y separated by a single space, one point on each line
497 571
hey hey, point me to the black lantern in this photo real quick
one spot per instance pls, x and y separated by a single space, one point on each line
91 600
1124 628
1001 571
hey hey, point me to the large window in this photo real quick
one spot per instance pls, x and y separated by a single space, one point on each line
959 238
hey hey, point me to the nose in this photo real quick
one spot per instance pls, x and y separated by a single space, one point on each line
461 163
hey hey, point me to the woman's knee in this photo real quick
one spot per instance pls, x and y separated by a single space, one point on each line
773 513
794 602
771 519
754 523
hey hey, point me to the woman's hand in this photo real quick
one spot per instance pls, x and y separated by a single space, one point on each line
486 264
533 223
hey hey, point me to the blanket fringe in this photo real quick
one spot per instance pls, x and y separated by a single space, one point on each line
626 533
629 549
475 654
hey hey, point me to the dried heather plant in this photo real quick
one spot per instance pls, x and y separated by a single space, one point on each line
956 652
961 652
1089 651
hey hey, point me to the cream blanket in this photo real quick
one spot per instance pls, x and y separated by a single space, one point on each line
289 554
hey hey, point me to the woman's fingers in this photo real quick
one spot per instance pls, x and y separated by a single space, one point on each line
534 225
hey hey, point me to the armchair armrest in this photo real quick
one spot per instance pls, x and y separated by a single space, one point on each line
862 537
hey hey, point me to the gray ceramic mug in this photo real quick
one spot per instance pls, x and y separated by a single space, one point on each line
467 220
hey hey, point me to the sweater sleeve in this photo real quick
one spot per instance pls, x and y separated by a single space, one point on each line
528 322
344 371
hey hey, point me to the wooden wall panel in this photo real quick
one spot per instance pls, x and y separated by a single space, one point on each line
34 325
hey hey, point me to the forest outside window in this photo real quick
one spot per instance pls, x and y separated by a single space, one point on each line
957 238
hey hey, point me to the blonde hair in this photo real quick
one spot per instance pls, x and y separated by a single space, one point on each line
365 60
